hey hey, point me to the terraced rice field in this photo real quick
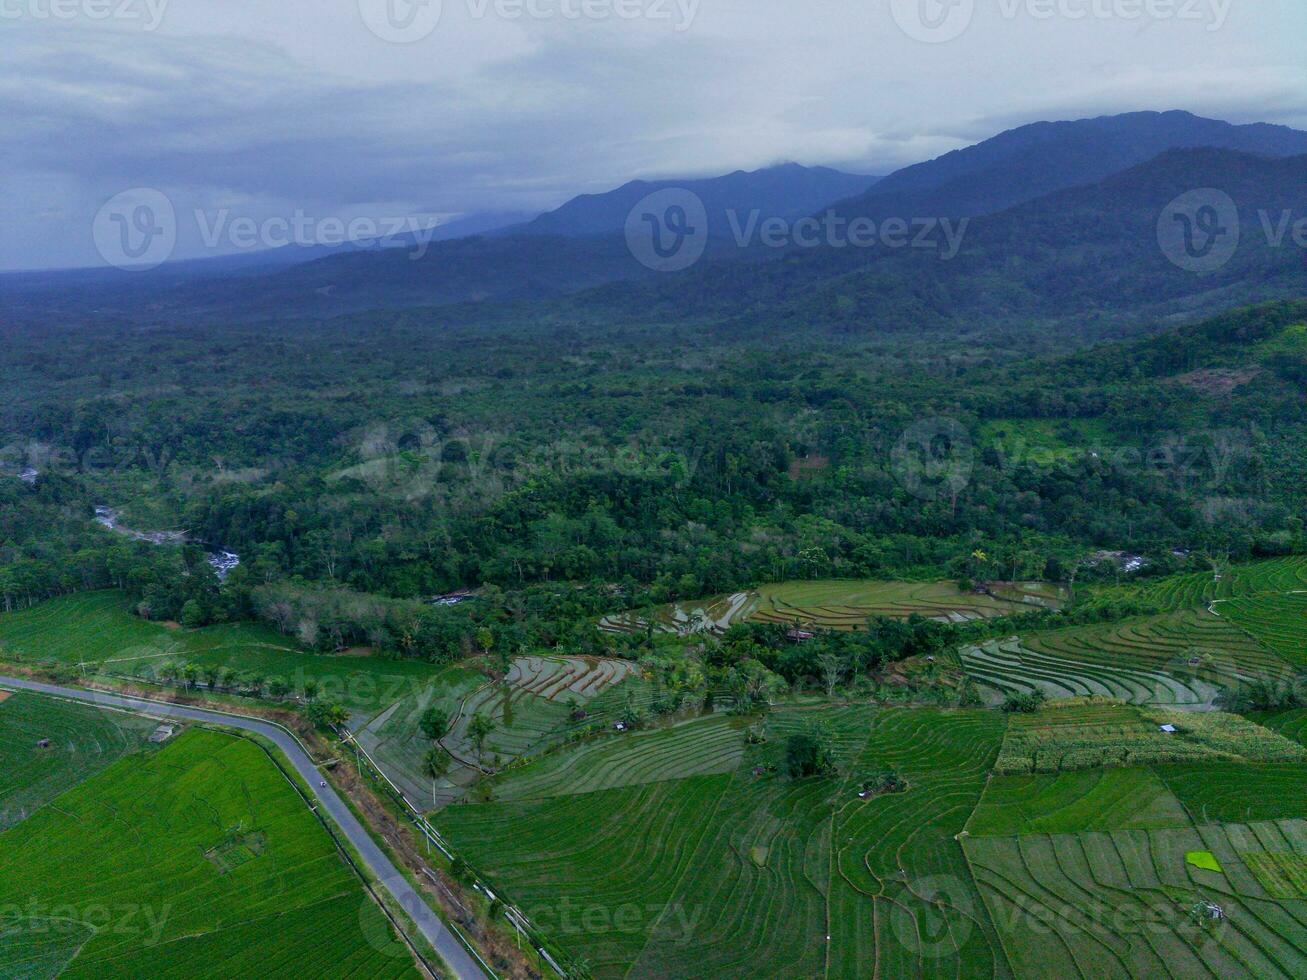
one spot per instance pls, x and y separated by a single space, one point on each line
1291 724
1276 576
1239 793
752 867
530 709
1280 622
838 605
1119 904
1009 666
83 742
138 842
1183 658
702 747
567 678
1071 735
1074 802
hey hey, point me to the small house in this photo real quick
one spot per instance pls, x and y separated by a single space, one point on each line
162 734
1169 729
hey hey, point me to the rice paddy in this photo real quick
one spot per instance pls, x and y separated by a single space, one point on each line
754 864
49 746
94 630
1093 734
839 605
117 870
1184 658
1128 903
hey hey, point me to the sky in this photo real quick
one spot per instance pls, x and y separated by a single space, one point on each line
259 121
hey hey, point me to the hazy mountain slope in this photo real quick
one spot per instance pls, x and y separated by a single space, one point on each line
1029 162
788 191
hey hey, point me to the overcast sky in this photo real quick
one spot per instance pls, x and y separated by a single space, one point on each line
349 108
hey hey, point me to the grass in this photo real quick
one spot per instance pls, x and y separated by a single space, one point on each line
1091 734
97 629
1234 793
1076 802
1280 622
742 874
1121 904
83 742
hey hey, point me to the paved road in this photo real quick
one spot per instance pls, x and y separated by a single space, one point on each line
436 932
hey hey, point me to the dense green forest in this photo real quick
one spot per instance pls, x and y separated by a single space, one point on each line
364 465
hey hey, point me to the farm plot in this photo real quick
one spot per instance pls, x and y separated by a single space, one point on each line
397 743
1091 734
847 605
1291 724
1002 667
82 742
695 748
139 842
742 875
595 870
96 629
1128 904
1280 622
1076 802
1239 793
901 900
839 605
1275 576
532 707
1184 658
715 615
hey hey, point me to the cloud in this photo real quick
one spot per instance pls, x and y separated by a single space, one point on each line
263 109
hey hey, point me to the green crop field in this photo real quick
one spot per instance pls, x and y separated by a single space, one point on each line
752 865
83 741
96 629
1183 658
531 710
1280 622
1239 793
839 605
1091 734
199 859
1128 904
1075 802
1276 576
